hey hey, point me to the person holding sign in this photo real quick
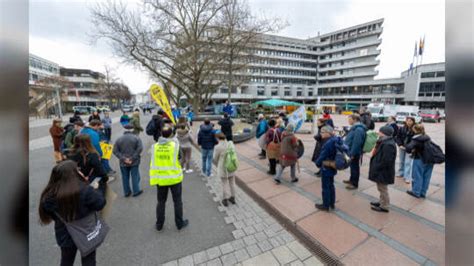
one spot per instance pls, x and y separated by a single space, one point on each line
127 149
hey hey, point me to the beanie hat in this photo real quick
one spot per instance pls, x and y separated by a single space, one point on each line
386 130
327 129
128 126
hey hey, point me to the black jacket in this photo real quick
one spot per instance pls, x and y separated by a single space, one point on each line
404 136
226 127
382 163
366 119
91 167
206 138
90 200
416 146
93 117
395 129
155 126
319 143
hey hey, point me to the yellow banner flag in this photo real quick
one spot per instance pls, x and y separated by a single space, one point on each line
160 98
106 150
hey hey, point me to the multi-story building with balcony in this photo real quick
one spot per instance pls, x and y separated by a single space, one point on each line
85 88
339 67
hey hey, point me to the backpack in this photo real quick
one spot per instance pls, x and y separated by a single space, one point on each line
432 153
231 163
370 141
342 159
150 128
67 128
300 148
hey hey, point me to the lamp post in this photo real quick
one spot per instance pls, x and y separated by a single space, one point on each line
56 87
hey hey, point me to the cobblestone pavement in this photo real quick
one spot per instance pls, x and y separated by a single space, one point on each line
258 238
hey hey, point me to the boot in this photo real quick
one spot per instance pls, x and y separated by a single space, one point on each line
224 202
232 200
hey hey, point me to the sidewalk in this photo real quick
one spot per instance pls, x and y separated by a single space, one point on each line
413 233
258 238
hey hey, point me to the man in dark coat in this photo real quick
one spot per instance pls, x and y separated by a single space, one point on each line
207 141
382 167
226 126
319 143
155 125
355 140
328 153
366 119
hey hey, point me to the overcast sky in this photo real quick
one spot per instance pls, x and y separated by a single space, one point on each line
59 31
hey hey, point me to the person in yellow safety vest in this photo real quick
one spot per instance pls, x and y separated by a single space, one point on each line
166 173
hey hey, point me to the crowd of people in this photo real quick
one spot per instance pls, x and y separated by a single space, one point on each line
79 181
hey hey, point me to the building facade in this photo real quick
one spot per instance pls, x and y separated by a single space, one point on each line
339 67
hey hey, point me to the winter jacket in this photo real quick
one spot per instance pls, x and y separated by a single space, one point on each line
130 146
75 118
416 145
395 129
56 133
95 138
366 119
226 127
90 200
91 166
355 139
328 153
382 162
228 109
404 136
107 122
155 125
184 138
288 154
206 138
319 142
219 159
135 122
261 128
94 117
124 119
69 139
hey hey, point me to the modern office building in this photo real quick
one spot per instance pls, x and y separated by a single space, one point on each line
339 67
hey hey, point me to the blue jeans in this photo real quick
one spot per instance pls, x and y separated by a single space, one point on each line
355 170
134 172
421 177
106 165
207 161
405 168
328 190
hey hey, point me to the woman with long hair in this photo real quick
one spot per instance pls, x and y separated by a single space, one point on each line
94 116
67 197
56 132
405 134
88 161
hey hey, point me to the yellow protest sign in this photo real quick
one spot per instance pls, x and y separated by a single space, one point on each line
160 98
106 150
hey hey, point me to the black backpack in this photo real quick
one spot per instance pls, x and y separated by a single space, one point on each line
432 153
150 128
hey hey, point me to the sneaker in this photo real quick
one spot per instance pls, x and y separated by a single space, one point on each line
351 187
318 173
411 193
407 182
277 181
379 209
185 223
346 181
294 180
158 227
376 204
138 193
111 179
321 207
224 202
332 207
128 194
232 200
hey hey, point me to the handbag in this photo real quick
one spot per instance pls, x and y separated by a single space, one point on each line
273 148
87 233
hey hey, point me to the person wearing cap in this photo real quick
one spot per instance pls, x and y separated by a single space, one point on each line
128 149
382 167
207 141
56 132
167 174
328 153
261 130
288 154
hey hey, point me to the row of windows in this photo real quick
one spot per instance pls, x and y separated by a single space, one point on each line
281 63
361 90
435 94
276 71
360 52
286 92
432 74
281 81
432 87
286 45
283 54
351 33
43 65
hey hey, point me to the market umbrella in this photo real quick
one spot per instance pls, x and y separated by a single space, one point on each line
276 103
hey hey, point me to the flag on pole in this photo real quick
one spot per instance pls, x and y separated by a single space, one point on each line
422 45
416 50
160 98
298 117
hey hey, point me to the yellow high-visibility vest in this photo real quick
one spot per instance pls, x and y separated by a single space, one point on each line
165 169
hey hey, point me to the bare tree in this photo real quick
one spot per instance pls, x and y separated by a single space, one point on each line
108 86
54 87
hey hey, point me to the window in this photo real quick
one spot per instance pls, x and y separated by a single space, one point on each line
440 74
274 91
310 92
428 75
260 92
299 92
35 77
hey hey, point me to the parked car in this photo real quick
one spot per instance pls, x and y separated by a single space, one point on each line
431 116
127 108
103 108
84 110
402 116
